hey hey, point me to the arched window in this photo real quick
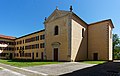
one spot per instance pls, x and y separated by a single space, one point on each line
82 32
56 29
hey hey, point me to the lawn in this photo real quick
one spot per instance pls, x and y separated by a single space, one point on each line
26 63
0 68
94 62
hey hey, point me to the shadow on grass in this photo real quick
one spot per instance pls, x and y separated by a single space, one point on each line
105 69
29 60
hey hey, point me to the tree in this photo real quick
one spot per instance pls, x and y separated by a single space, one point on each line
116 41
116 44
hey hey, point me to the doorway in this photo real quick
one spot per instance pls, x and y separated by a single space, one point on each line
41 55
11 55
95 56
55 54
32 56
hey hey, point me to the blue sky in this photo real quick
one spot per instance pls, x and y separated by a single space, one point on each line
21 17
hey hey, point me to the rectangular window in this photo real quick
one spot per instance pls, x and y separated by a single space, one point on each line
37 38
10 43
3 54
42 45
23 41
15 54
36 54
23 48
83 32
27 54
42 37
20 42
17 43
33 46
37 45
30 39
17 48
56 30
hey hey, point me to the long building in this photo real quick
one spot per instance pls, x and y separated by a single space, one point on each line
8 51
66 37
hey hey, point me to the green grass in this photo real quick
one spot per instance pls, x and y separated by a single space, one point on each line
94 62
0 68
26 63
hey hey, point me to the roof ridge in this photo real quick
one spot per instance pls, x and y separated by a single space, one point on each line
99 21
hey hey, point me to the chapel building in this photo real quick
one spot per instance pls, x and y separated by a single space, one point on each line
66 37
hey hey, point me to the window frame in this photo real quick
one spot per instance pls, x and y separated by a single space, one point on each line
83 32
56 30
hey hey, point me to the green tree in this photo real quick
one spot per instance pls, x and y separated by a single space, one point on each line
116 43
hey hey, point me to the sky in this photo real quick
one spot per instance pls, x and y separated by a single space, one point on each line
21 17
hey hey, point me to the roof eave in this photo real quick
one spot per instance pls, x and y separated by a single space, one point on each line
79 18
103 21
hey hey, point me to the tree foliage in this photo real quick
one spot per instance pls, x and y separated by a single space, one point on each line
116 41
116 46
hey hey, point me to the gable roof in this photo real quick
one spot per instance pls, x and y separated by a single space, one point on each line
64 13
57 13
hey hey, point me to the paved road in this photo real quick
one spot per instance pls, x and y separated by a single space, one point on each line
80 69
65 69
18 71
43 70
6 72
59 69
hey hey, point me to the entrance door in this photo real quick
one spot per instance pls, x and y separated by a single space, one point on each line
10 55
41 55
55 54
32 56
95 56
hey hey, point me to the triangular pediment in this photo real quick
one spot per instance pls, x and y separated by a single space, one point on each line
56 14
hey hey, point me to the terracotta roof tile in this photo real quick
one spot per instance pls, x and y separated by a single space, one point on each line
7 37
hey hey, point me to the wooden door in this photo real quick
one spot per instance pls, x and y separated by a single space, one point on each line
95 56
55 54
